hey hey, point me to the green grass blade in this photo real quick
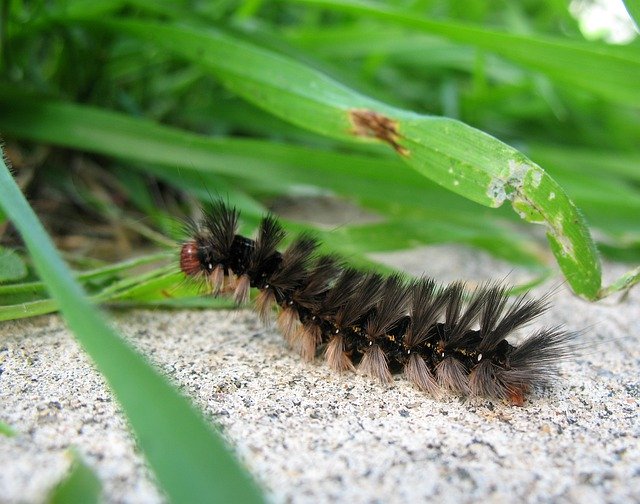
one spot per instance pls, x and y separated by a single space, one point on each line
427 53
6 430
589 161
111 270
81 485
456 156
161 283
609 72
188 458
625 282
633 8
12 268
28 309
19 302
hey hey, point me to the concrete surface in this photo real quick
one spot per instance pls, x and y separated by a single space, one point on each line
310 435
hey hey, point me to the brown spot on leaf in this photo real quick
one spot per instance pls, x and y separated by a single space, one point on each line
370 124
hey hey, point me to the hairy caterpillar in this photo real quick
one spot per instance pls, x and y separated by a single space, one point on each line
440 337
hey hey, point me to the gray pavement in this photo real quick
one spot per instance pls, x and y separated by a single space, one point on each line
310 435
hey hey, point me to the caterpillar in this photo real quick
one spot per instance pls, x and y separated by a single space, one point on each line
443 338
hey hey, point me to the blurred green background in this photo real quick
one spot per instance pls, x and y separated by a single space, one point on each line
114 131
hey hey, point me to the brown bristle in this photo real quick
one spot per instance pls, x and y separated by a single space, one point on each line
336 358
374 364
216 279
241 293
288 323
418 372
306 341
189 262
230 283
452 376
265 301
486 379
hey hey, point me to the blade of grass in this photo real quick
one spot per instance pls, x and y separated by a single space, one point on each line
633 8
80 485
606 71
46 306
418 50
593 162
28 309
624 283
188 458
405 232
159 284
110 270
33 117
12 268
6 430
185 303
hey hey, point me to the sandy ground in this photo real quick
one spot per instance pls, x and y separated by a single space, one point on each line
310 435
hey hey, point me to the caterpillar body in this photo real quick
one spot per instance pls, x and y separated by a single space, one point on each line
443 338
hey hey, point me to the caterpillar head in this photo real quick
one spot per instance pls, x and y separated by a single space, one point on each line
192 259
196 261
